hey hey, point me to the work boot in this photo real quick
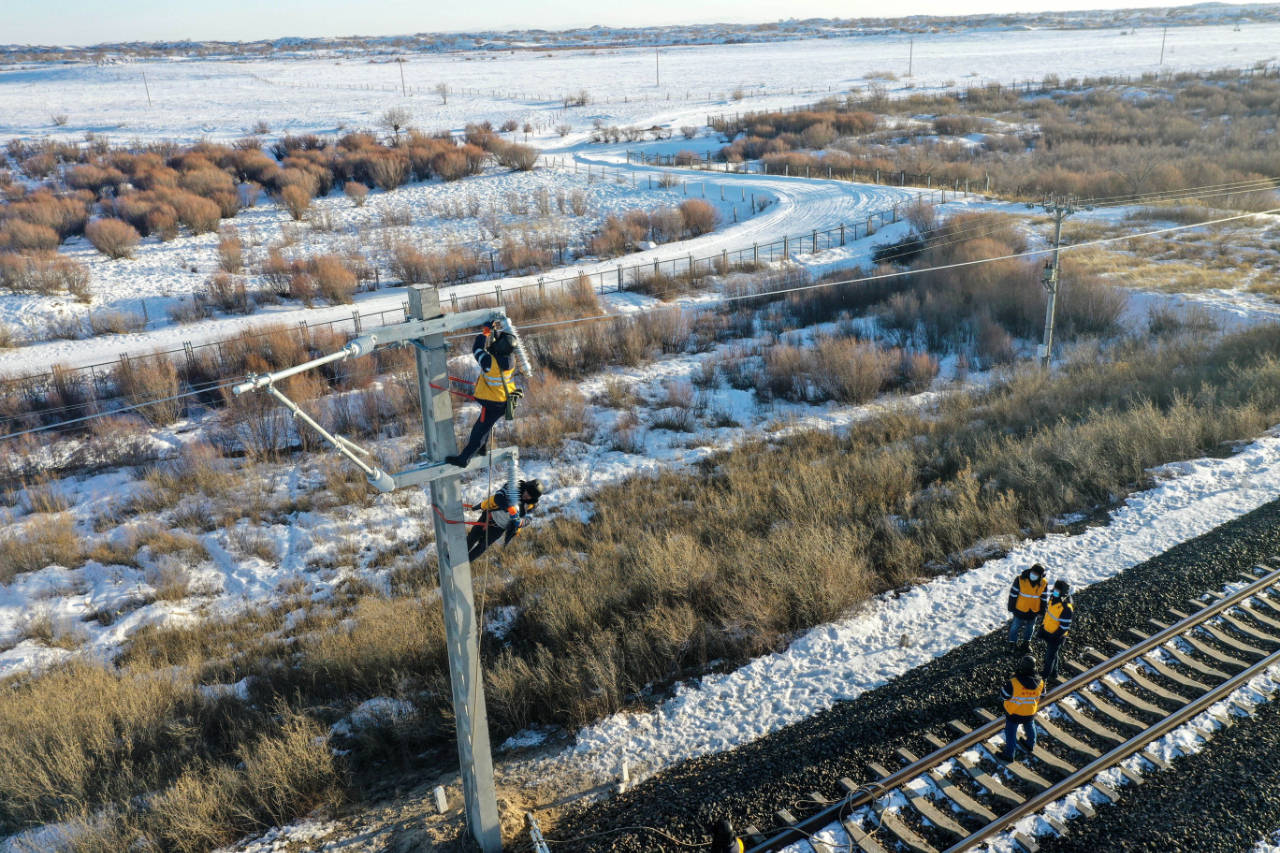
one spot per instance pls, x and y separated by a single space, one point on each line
457 460
1024 647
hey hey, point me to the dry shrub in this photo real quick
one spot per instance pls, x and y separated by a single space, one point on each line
231 252
18 235
145 378
112 322
200 215
356 191
46 273
228 293
44 540
551 413
515 156
113 237
410 265
333 279
297 200
8 339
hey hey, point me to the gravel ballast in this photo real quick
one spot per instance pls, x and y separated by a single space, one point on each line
749 783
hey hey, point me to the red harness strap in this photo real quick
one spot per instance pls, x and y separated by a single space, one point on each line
452 391
450 521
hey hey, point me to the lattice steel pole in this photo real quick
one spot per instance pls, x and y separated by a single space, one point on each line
456 593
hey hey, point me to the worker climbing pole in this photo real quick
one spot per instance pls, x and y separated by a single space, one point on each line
503 511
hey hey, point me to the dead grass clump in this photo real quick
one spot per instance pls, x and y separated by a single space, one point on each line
112 237
551 413
43 540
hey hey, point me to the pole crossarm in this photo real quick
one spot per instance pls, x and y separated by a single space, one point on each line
424 475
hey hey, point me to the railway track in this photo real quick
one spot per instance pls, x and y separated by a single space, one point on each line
1113 709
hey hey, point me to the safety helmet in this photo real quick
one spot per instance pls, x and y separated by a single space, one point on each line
1036 570
1061 587
532 488
503 345
1026 666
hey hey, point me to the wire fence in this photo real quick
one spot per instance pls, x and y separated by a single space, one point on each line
622 277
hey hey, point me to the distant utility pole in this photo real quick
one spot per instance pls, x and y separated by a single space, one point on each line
402 87
1164 35
1059 207
657 75
911 54
147 88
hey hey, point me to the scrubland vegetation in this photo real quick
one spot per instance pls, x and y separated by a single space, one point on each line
1104 141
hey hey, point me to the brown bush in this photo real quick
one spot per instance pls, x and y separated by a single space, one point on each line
146 378
231 252
450 165
21 236
43 541
115 238
333 279
700 216
410 265
357 192
515 156
390 169
296 200
200 215
228 293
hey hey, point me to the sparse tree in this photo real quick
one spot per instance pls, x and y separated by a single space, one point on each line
395 119
357 192
442 89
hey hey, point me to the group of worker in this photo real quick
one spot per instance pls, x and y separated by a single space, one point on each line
1030 601
495 390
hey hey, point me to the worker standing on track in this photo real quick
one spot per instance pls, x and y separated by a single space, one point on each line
1026 602
1021 696
1058 615
499 520
495 389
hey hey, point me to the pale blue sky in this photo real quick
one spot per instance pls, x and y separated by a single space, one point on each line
96 21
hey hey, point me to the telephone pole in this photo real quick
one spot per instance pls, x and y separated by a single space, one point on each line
657 74
1163 35
911 54
1059 207
403 91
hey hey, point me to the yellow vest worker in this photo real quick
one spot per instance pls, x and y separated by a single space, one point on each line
1021 701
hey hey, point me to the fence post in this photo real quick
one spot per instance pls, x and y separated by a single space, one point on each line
786 247
355 320
841 233
619 278
813 247
497 292
755 253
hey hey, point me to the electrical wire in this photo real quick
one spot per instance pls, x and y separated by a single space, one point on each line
722 300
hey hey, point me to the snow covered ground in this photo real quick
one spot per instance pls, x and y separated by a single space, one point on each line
222 100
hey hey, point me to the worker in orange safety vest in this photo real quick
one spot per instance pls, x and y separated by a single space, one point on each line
1021 695
1027 598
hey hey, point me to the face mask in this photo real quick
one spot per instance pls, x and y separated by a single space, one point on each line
1035 577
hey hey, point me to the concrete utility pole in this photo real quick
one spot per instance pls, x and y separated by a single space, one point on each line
911 54
657 74
1059 207
425 331
1164 35
457 596
400 62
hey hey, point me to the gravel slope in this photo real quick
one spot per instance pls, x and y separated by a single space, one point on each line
778 771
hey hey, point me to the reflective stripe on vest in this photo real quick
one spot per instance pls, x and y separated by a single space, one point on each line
1053 616
494 383
1029 595
1024 702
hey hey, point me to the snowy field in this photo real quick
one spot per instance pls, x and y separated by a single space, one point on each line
223 100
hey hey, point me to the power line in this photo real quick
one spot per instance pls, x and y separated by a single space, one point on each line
729 299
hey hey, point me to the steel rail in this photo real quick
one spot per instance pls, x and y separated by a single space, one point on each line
804 828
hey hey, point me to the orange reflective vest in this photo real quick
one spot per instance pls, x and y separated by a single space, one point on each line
1028 594
1023 702
1055 615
